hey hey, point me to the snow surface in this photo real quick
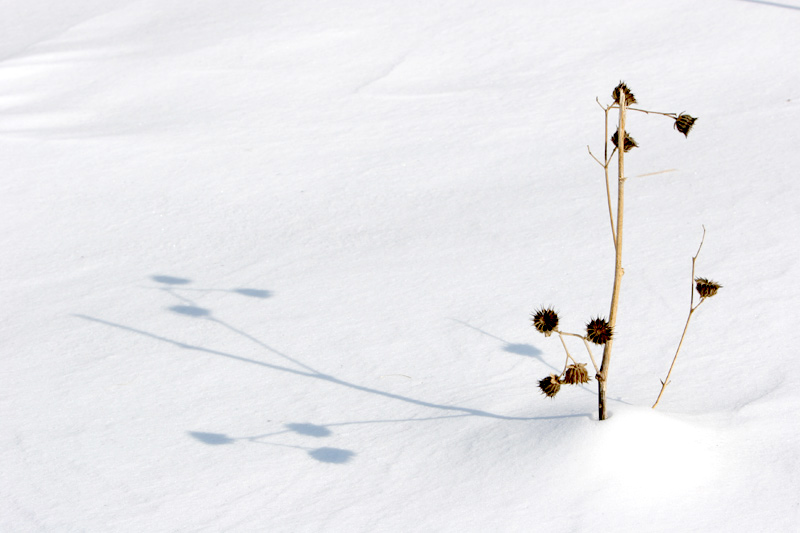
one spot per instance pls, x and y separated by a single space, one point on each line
268 266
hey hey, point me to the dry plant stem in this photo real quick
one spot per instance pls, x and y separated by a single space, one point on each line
608 187
591 356
673 115
605 164
585 343
692 309
612 314
564 344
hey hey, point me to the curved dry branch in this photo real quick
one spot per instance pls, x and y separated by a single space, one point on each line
692 309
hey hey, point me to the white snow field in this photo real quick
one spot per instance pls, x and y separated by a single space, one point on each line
269 266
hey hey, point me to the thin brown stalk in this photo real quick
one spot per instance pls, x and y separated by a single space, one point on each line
672 115
591 356
612 315
692 309
566 363
605 165
607 159
593 157
585 342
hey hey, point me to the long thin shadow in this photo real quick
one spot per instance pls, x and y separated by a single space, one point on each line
317 430
325 454
313 374
516 348
773 4
535 353
205 314
255 340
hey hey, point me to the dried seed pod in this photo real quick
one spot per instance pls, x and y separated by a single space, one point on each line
629 142
550 385
629 98
684 123
576 374
599 331
545 320
706 288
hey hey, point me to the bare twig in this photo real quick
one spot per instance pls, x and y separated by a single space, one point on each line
593 157
585 342
692 309
672 115
564 344
591 356
614 151
607 158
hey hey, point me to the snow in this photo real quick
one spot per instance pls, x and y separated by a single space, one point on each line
269 266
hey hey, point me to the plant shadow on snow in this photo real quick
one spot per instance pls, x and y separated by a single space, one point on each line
174 285
324 454
772 4
527 350
178 288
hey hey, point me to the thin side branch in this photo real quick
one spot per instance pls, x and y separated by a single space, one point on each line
566 363
605 166
594 363
608 161
585 342
593 157
692 309
570 334
671 115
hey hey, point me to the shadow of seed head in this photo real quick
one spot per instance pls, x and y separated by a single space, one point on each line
684 123
214 439
576 374
706 288
190 310
254 293
545 321
599 331
332 455
630 143
550 385
629 98
170 280
311 430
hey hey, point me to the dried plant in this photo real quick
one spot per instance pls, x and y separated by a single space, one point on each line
550 385
684 123
600 331
706 289
576 374
545 320
629 142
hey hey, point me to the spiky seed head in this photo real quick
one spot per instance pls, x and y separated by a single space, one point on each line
684 123
629 98
629 142
599 331
576 374
550 385
545 320
706 288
